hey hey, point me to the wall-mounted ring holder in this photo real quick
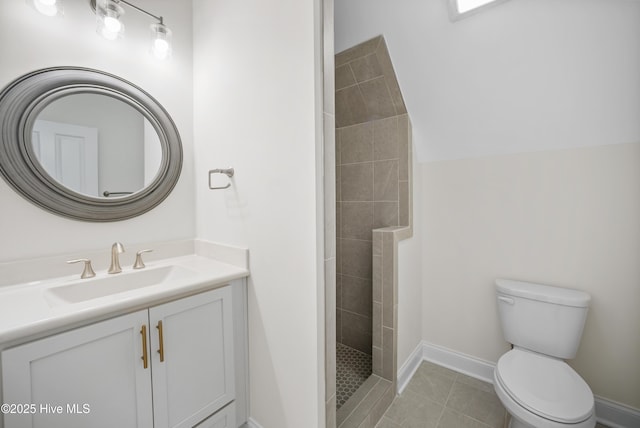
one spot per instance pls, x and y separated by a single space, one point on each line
228 172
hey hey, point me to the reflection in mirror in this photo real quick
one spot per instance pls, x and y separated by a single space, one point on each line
96 145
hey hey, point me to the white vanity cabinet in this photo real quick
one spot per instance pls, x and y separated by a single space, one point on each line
99 365
194 377
169 366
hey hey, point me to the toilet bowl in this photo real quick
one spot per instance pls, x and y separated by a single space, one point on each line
537 388
542 392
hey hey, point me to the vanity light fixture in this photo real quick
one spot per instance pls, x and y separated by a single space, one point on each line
48 7
110 26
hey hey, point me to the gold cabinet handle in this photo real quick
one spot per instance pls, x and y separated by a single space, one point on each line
160 341
145 357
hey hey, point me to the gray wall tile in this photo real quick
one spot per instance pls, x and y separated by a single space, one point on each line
377 243
356 331
388 356
377 278
329 187
344 77
339 256
385 180
356 295
377 99
356 258
350 106
338 137
338 222
357 220
404 204
377 325
384 60
330 323
356 182
366 68
403 147
376 358
365 48
339 291
385 214
356 143
339 326
386 139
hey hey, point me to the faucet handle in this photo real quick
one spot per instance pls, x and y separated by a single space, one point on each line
87 272
139 264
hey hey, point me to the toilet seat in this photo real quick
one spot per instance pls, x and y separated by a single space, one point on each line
545 386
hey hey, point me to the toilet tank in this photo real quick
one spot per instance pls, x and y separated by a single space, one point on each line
542 318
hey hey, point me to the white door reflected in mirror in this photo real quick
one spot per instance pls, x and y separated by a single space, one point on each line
97 145
69 153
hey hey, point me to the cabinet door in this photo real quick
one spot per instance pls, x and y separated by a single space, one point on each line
91 377
225 418
193 377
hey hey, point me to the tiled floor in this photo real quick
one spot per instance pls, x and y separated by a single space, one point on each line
437 397
352 369
442 398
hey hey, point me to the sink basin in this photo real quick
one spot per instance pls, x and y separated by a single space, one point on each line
94 288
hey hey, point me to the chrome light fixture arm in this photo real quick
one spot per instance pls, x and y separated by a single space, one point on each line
139 9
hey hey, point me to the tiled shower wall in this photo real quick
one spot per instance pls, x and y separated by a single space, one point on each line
372 178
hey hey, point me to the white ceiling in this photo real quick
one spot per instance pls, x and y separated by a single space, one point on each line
526 75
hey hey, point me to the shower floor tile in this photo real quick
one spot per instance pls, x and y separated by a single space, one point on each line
352 369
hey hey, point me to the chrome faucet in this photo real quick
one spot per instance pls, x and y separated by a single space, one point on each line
116 249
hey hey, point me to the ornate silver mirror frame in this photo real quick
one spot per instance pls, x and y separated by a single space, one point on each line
21 102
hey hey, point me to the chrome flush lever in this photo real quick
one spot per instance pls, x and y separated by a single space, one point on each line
87 272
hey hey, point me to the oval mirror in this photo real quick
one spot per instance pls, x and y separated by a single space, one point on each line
87 145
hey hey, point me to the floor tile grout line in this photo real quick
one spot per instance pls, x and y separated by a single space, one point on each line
477 390
444 406
471 417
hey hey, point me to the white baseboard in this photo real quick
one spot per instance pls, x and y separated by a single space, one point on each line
616 415
251 423
462 363
406 372
610 413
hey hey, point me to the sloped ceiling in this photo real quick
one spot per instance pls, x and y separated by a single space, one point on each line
525 75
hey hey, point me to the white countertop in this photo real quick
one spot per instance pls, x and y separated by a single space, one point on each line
28 311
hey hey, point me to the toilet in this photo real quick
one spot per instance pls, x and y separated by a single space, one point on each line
544 324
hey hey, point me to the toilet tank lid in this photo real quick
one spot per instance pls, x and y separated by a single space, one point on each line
543 293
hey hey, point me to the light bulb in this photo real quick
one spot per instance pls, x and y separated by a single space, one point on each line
109 25
109 35
112 24
160 48
161 41
47 7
